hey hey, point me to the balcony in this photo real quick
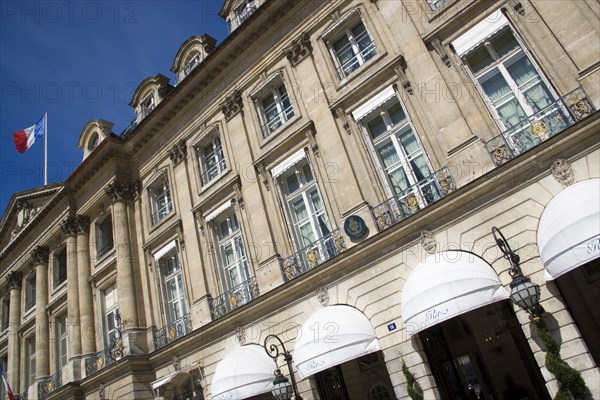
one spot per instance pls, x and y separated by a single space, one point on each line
541 126
234 298
413 199
313 255
214 171
359 59
49 384
276 121
171 332
101 360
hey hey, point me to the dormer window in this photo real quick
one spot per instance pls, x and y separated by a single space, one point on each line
94 142
146 106
242 12
193 63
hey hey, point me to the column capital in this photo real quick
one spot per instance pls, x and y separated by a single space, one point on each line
83 223
69 225
40 254
15 280
119 190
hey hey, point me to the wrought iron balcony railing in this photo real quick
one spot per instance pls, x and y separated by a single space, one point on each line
104 249
100 360
313 255
275 122
413 199
357 60
173 331
162 212
541 126
49 384
234 298
214 171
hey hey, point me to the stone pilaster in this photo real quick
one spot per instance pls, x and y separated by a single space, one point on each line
70 228
122 194
15 280
40 255
86 302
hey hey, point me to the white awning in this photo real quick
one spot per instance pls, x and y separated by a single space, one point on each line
569 230
212 215
375 102
245 372
288 163
163 381
332 336
480 32
445 285
169 246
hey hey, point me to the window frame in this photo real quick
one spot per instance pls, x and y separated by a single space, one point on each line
147 105
5 313
233 239
176 276
104 242
110 311
59 266
346 30
155 198
30 290
282 105
303 192
212 140
30 370
62 341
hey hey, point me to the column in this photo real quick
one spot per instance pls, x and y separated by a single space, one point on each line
69 227
40 255
86 301
15 280
121 194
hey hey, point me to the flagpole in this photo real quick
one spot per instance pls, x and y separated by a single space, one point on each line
45 148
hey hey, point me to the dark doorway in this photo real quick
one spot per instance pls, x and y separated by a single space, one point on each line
580 289
483 355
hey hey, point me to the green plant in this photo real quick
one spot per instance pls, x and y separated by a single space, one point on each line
570 382
410 383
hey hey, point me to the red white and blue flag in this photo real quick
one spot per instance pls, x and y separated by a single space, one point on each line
25 138
9 392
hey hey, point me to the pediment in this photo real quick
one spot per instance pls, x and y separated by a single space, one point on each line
24 209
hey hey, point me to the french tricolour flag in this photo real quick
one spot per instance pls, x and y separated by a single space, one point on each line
9 392
25 138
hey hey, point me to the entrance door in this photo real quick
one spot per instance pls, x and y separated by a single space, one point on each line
483 355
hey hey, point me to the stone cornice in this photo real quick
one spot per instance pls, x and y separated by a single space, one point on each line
40 255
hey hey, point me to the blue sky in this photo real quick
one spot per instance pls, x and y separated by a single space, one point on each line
81 60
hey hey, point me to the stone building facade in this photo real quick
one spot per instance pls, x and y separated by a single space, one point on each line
330 173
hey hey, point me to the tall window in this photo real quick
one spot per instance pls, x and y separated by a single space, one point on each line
231 257
104 236
304 204
160 200
212 160
190 65
172 285
111 312
62 342
5 313
59 268
400 153
29 361
147 105
275 108
30 292
352 48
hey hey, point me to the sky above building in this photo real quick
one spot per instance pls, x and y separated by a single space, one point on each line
82 60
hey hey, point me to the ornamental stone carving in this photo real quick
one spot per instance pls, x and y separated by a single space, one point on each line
232 105
240 335
298 50
14 280
178 152
323 296
40 255
69 226
441 51
562 171
83 223
25 213
401 72
122 190
428 242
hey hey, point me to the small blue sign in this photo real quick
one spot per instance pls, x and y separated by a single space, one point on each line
392 327
355 227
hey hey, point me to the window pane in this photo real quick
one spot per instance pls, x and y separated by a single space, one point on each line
409 143
292 182
530 83
479 58
420 168
308 176
398 180
377 127
504 42
306 234
316 200
396 113
503 99
299 210
388 154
